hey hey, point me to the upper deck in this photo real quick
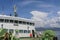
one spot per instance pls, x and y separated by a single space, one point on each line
12 19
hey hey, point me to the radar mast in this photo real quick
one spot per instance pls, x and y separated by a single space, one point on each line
15 14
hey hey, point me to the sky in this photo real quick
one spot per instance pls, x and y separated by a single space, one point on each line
46 13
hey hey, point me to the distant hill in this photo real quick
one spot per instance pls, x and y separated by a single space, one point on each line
51 28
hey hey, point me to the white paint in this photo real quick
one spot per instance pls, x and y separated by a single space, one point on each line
19 27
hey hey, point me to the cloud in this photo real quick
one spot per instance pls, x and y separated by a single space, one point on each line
39 17
42 19
58 13
54 22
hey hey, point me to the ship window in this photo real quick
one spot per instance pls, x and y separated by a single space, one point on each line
11 21
20 22
15 24
20 31
25 31
16 31
10 30
15 21
5 30
28 23
6 20
28 31
24 22
32 24
1 20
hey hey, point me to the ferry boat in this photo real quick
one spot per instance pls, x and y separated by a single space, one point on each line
20 27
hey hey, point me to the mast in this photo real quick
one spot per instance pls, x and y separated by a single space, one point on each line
14 8
15 14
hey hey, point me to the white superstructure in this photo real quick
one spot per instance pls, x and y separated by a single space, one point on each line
18 26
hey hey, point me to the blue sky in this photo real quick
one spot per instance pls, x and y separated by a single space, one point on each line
26 6
45 10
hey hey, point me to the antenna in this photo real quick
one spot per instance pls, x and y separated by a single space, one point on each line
15 14
14 8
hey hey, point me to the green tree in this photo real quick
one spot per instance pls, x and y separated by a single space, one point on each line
48 35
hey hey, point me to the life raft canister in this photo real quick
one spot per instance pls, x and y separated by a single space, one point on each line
30 35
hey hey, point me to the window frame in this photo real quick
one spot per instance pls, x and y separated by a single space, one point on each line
21 31
11 21
1 20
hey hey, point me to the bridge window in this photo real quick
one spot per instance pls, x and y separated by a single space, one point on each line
28 23
1 20
32 24
11 21
6 20
20 22
24 22
16 21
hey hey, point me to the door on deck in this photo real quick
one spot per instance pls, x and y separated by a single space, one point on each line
33 33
